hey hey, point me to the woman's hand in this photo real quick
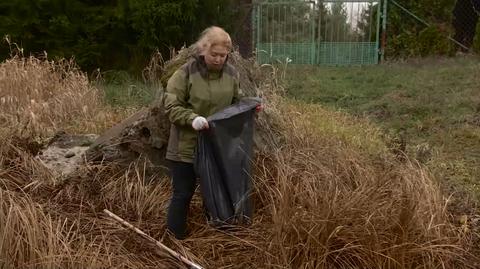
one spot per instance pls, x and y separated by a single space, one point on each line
200 123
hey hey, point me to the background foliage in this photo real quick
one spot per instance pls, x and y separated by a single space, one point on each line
123 34
108 34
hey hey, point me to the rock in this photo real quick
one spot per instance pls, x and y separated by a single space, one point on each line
64 153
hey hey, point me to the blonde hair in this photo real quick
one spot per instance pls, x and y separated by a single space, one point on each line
213 36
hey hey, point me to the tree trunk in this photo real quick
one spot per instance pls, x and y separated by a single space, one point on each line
243 34
465 20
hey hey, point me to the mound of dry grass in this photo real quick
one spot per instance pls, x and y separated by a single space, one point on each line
341 203
329 196
39 97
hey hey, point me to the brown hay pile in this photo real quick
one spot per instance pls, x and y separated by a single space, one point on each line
330 196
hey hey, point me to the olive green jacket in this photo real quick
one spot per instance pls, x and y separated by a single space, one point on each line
194 91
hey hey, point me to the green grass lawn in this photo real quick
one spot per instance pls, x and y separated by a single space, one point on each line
122 90
431 104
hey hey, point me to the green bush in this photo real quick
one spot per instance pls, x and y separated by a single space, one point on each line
432 42
408 37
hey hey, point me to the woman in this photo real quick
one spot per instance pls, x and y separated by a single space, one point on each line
201 87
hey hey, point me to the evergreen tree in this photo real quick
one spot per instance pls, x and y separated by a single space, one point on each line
108 34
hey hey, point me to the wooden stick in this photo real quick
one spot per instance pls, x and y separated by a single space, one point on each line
151 239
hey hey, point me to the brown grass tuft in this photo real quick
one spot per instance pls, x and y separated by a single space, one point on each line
39 97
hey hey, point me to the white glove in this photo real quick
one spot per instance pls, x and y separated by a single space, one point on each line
200 123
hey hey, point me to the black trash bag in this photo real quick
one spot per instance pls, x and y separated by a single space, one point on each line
223 163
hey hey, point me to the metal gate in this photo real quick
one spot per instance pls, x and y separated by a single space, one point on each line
285 30
326 32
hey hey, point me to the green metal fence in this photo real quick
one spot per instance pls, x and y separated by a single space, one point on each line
327 32
285 29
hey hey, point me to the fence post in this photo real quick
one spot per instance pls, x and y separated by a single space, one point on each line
384 31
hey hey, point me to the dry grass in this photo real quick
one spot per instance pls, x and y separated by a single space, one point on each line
329 196
338 207
39 97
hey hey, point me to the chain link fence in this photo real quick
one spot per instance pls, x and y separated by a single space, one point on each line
414 27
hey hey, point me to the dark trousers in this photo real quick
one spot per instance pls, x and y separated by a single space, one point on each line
184 183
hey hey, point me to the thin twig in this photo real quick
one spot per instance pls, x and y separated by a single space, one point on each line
151 239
